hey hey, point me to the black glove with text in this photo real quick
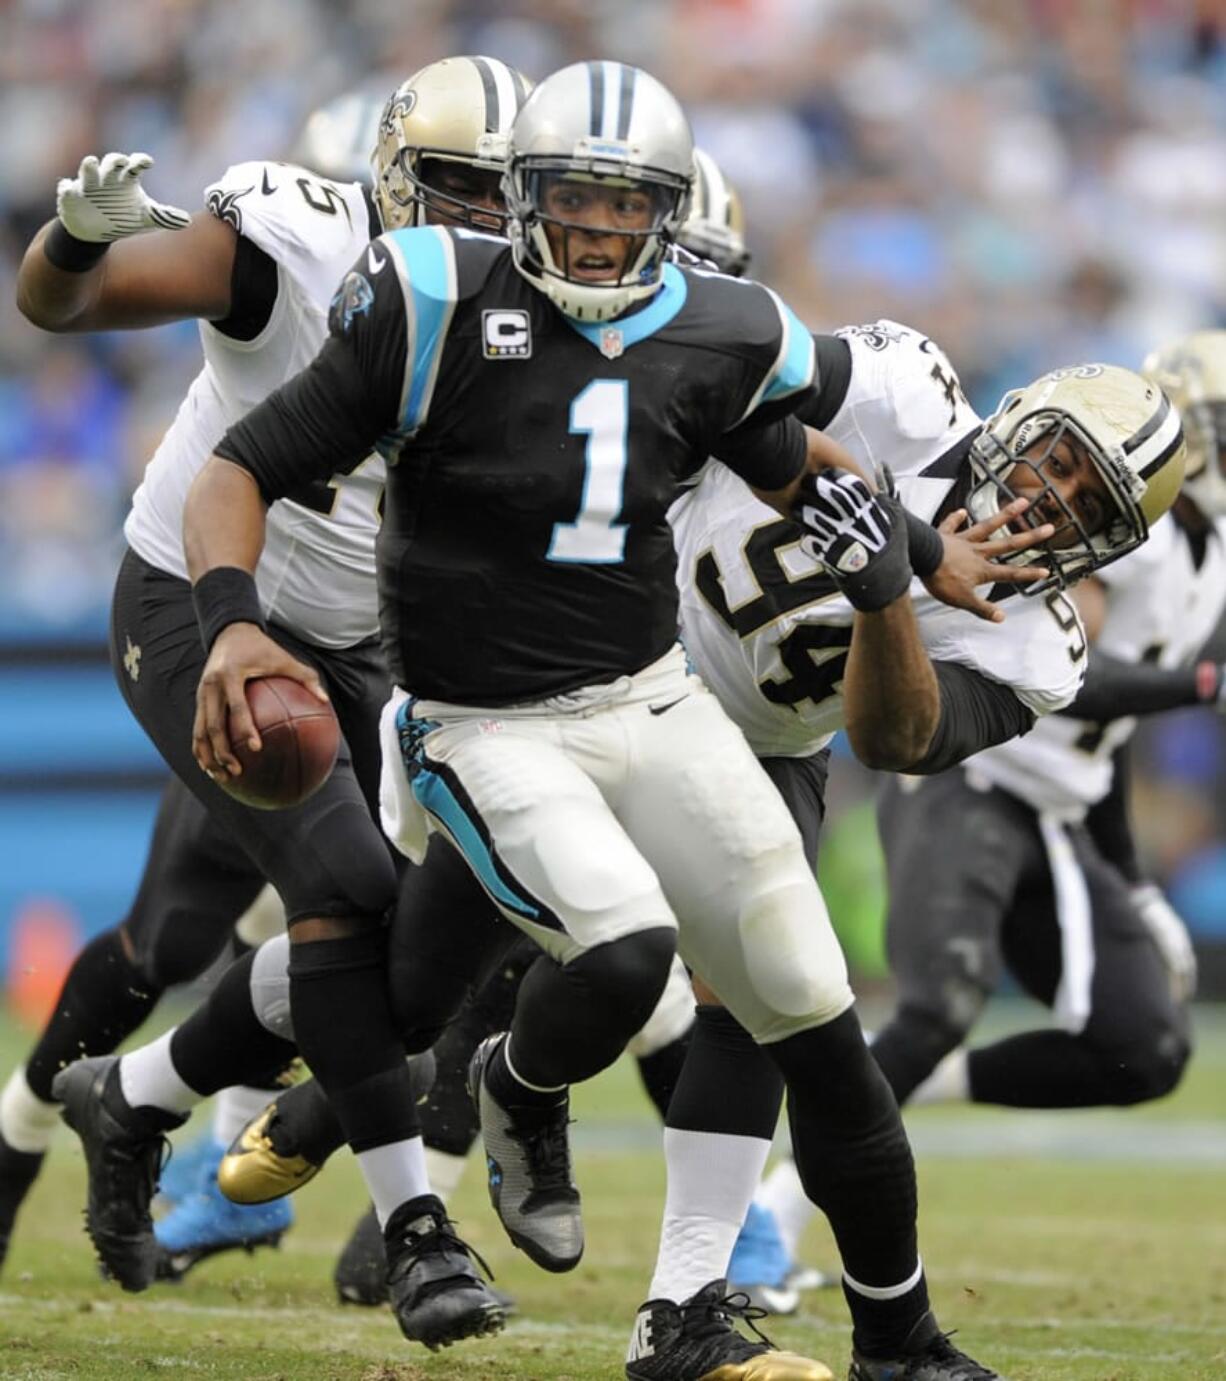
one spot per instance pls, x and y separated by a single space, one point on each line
858 536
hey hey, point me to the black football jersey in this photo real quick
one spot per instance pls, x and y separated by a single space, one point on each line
531 458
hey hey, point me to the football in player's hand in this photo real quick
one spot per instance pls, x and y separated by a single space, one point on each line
299 740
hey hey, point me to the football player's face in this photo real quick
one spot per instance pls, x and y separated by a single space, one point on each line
454 184
597 244
1065 468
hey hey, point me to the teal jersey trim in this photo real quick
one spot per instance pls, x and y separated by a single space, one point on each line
795 369
436 797
431 279
667 302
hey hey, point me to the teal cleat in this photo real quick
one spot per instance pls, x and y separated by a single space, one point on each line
206 1222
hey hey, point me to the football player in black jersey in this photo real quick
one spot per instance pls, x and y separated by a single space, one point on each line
83 271
541 405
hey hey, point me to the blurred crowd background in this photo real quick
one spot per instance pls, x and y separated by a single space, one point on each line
1031 182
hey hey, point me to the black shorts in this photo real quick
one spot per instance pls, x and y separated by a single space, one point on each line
326 857
971 893
195 886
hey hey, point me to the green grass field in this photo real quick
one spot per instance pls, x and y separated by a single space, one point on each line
1078 1247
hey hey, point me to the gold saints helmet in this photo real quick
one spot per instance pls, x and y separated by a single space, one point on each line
1126 426
453 114
715 226
1191 371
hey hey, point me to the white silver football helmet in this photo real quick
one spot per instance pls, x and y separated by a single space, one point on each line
1131 434
1191 371
715 226
603 123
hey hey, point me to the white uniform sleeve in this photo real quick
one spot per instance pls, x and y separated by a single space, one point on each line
1039 652
296 218
904 406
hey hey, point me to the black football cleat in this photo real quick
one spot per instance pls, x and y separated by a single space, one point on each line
360 1276
527 1156
435 1291
124 1151
926 1355
696 1341
18 1171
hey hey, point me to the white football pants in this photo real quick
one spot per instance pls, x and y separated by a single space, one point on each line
619 808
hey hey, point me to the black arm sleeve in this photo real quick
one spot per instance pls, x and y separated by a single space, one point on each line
1114 688
253 292
1109 824
975 714
766 455
833 381
328 418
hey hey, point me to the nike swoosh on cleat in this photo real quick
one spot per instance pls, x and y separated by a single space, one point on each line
266 187
661 709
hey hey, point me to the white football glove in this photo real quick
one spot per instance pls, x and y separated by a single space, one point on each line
106 202
1169 933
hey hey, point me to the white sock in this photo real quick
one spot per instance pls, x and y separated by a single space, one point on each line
783 1193
519 1078
149 1079
394 1173
235 1107
445 1172
711 1180
26 1122
904 1287
949 1082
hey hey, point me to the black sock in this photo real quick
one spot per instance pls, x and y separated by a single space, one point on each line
855 1163
573 1020
728 1083
343 1024
880 1326
661 1069
104 999
223 1042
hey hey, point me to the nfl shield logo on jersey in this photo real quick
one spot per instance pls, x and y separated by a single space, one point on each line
612 343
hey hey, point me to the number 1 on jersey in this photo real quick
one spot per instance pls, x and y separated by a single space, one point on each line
602 411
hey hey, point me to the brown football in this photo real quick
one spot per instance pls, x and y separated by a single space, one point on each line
300 737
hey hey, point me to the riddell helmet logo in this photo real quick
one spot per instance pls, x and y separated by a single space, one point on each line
506 333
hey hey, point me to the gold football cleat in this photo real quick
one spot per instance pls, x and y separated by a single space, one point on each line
772 1366
253 1171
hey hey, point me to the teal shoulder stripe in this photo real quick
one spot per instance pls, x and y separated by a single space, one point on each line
794 366
428 259
665 305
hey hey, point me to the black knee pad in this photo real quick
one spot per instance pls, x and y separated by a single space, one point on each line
630 973
1140 1073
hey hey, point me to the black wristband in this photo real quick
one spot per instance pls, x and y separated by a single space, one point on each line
223 596
66 252
924 545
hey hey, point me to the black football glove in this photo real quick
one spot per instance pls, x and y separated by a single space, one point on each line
858 536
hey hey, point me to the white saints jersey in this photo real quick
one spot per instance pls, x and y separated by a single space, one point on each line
757 613
1160 608
316 575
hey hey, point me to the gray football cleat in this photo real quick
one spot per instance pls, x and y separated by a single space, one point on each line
527 1154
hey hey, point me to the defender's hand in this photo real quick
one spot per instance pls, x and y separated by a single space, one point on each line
972 559
106 202
242 652
858 536
1170 935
